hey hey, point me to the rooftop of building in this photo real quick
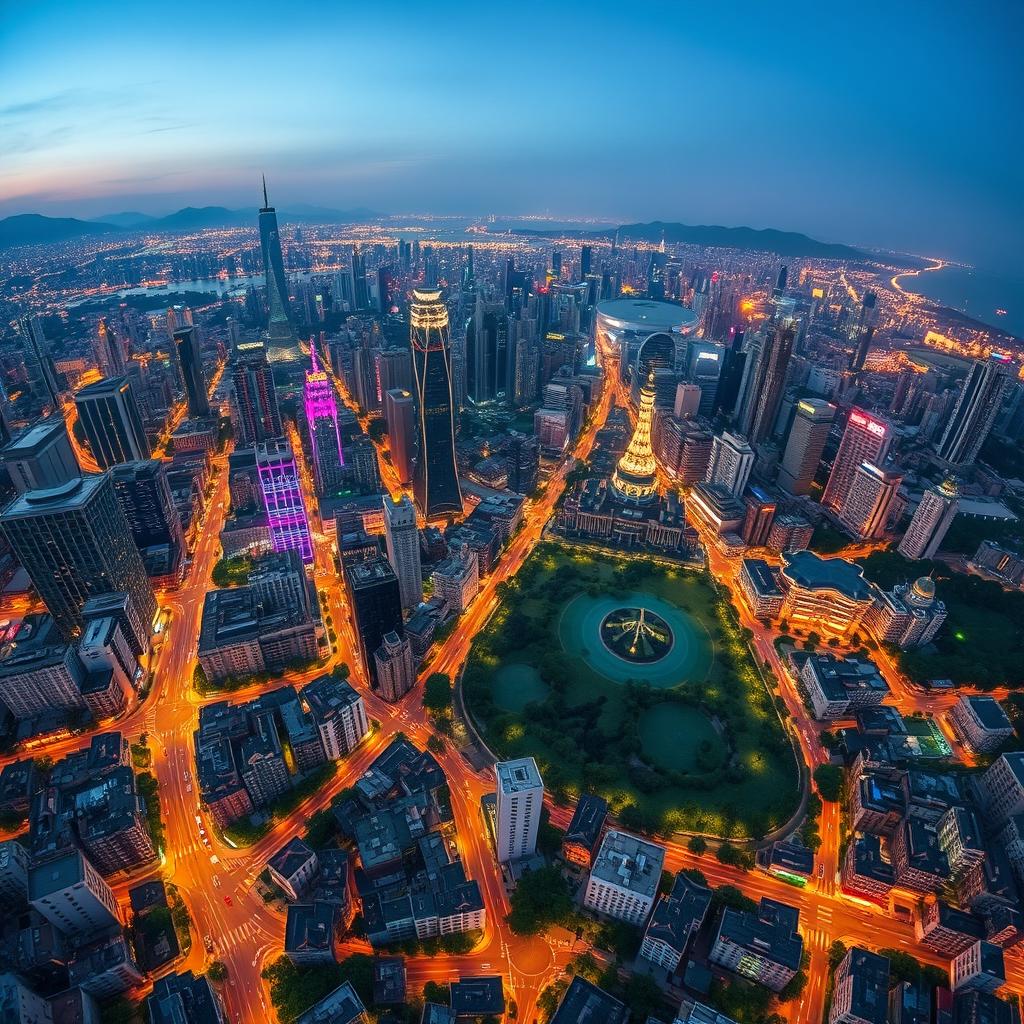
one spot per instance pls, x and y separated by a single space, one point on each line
292 857
587 819
988 711
647 315
310 927
629 862
765 578
342 1006
770 931
35 437
677 916
812 572
869 989
478 996
584 1003
517 776
70 496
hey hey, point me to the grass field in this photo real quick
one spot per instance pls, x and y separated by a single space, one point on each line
706 753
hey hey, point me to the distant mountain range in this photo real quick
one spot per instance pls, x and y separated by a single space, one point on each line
783 243
35 229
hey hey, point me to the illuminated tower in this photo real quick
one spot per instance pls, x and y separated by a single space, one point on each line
636 476
930 521
435 481
279 324
255 395
322 423
865 439
282 498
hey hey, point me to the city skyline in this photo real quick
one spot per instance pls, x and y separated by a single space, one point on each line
727 113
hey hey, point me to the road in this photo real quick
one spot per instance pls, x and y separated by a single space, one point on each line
217 880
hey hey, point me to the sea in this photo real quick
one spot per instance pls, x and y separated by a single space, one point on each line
977 293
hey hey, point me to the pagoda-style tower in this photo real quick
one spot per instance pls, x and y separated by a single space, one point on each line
635 479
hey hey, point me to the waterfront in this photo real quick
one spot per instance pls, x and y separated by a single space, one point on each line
974 292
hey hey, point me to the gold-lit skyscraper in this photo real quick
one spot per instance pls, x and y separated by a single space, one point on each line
636 476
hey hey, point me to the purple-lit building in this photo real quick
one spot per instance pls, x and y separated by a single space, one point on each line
282 498
322 422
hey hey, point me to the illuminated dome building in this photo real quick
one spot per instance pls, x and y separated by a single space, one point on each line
907 616
635 479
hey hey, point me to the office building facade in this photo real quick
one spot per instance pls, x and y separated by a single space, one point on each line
403 545
282 498
436 480
930 522
731 461
812 423
520 799
110 417
74 542
259 418
190 359
975 410
865 439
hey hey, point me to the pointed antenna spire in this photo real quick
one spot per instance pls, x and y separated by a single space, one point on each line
312 352
266 204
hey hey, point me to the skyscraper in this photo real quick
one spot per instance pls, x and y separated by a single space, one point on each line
436 480
635 479
865 439
862 331
731 461
255 394
74 542
190 359
520 799
111 421
769 383
110 354
38 364
41 457
144 496
403 542
975 410
395 667
812 423
282 498
279 322
400 416
932 518
487 352
322 422
376 606
868 504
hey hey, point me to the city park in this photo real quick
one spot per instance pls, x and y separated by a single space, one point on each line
629 677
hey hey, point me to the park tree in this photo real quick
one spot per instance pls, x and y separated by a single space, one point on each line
437 693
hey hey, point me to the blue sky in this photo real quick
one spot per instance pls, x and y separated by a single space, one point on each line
888 124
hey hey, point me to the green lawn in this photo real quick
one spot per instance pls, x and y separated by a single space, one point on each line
707 754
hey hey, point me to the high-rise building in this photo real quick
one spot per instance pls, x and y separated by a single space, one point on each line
255 394
862 330
110 353
42 376
731 461
520 800
394 369
403 542
687 402
487 352
145 498
72 895
400 416
322 423
812 423
282 498
635 479
436 480
279 323
74 542
190 359
376 605
932 518
396 667
339 713
868 504
769 383
865 439
975 410
41 457
110 418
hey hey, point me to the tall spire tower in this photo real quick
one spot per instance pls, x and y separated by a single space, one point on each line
282 344
322 423
636 476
